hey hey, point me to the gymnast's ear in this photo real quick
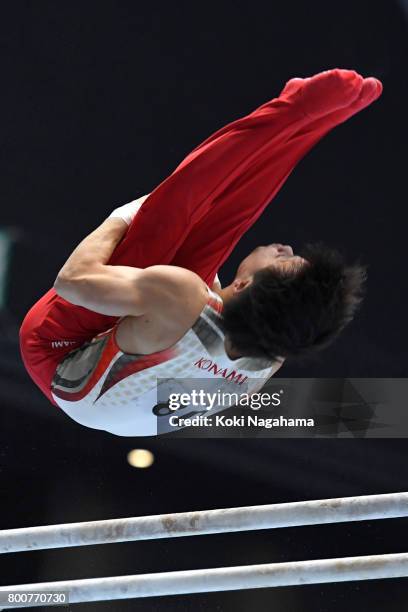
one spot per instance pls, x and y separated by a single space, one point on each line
239 284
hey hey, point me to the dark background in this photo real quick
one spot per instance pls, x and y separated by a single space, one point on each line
99 103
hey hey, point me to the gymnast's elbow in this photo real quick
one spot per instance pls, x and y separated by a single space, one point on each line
69 287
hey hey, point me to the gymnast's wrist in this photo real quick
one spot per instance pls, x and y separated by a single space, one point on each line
128 211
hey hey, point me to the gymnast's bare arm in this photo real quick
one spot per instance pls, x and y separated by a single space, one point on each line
87 280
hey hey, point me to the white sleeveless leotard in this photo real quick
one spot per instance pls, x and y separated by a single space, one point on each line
101 387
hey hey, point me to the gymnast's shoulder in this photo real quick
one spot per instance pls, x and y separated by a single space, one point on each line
172 283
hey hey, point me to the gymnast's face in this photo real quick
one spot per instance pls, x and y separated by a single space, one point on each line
275 255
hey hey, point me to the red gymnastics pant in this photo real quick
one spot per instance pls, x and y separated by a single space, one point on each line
196 216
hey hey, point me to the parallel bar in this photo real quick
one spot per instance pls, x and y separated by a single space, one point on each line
225 578
205 522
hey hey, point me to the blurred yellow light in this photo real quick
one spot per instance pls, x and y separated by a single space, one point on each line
140 458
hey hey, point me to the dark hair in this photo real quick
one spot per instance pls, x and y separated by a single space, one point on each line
298 311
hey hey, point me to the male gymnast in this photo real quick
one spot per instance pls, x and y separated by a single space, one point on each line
138 300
